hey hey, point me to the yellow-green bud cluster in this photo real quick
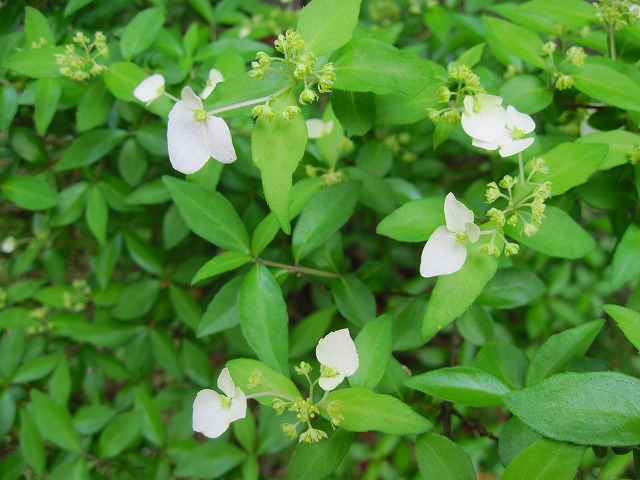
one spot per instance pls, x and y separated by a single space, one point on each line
312 435
334 409
305 409
634 156
539 165
289 429
83 66
332 177
615 14
563 82
256 378
511 249
444 94
289 44
575 56
496 216
279 405
508 182
493 192
384 12
462 81
260 66
490 249
548 49
265 112
303 369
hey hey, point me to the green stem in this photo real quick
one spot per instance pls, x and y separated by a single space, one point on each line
249 102
612 43
270 394
298 270
521 167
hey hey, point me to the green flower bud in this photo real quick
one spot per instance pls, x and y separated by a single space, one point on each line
452 117
444 94
508 182
434 115
490 249
279 405
543 190
511 249
291 111
303 369
256 378
530 229
460 72
564 82
289 429
548 49
575 56
312 435
634 156
539 165
497 217
492 193
308 96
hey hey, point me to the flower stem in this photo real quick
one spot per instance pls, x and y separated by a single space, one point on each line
298 270
249 102
271 394
521 167
612 43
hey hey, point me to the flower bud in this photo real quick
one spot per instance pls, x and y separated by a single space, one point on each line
497 217
575 56
530 229
511 249
444 94
548 49
508 182
308 96
490 249
564 82
291 111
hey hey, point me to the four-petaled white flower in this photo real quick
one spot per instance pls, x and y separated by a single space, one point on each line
445 251
483 117
213 412
316 128
338 358
194 135
150 89
215 77
510 140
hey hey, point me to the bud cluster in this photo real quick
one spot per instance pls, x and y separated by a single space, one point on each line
462 82
615 14
82 66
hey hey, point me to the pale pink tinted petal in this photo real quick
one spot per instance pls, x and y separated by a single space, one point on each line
519 120
217 140
150 88
191 100
442 254
516 146
473 232
238 408
338 350
329 383
225 383
184 137
208 415
456 214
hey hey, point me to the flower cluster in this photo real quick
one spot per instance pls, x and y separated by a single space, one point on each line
83 66
462 82
214 412
616 14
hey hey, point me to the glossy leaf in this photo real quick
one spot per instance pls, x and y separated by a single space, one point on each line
414 221
354 300
54 422
242 368
625 266
628 321
545 460
326 25
140 32
373 344
318 461
439 457
222 263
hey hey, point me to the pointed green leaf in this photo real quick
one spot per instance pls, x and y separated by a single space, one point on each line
222 312
140 32
121 433
627 320
545 460
274 381
326 25
222 263
354 299
31 445
414 221
35 62
625 266
48 92
438 457
318 461
517 40
54 422
373 343
605 83
30 193
89 147
97 214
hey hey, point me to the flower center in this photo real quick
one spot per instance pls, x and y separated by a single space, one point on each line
462 237
225 401
200 115
477 106
328 371
517 133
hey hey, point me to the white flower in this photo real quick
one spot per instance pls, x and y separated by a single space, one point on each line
316 128
634 10
510 140
215 77
445 251
338 358
483 117
8 245
150 89
194 135
213 412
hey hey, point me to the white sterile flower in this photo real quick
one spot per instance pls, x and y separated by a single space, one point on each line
483 117
193 135
316 128
338 358
150 89
215 77
510 141
445 251
213 412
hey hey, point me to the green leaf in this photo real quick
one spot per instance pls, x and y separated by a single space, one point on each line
274 381
519 41
141 32
97 214
364 410
354 299
137 299
122 78
527 93
8 105
620 143
90 147
263 317
90 419
464 385
574 14
31 193
94 107
106 333
397 109
48 92
595 408
305 334
152 193
571 164
277 148
368 65
504 361
35 62
374 344
608 85
627 320
121 433
514 437
222 312
36 29
327 211
71 205
414 221
152 423
222 263
625 266
559 236
545 460
454 293
558 349
438 457
355 110
166 353
318 461
7 410
326 25
54 422
511 288
144 254
31 445
187 309
209 215
28 145
36 368
207 460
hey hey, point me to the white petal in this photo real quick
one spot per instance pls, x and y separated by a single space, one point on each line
208 415
515 147
337 350
473 232
486 145
316 128
485 125
185 136
468 104
456 214
329 383
519 120
215 77
150 88
238 408
442 254
225 383
206 92
217 140
191 100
